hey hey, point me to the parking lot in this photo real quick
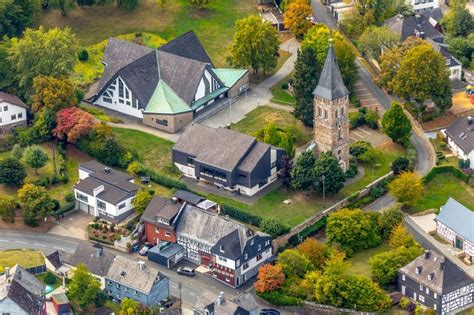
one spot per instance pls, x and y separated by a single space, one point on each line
375 137
366 98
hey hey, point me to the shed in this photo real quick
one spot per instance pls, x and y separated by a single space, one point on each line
61 303
166 254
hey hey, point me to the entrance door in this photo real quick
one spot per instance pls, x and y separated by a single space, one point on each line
459 243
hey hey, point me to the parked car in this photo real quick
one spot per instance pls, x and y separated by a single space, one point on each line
166 303
186 271
144 250
269 311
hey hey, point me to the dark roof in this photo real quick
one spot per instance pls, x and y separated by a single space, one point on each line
12 99
166 249
240 242
330 85
161 207
111 193
413 25
254 156
55 258
222 148
97 263
436 14
446 276
98 171
458 218
461 132
29 302
188 46
189 197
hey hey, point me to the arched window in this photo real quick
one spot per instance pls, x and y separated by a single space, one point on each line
319 111
342 111
339 134
325 114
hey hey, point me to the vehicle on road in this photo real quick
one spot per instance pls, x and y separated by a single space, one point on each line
186 271
269 311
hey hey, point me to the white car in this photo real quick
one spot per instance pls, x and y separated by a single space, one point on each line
144 250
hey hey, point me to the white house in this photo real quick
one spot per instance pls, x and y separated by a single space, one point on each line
104 192
460 138
12 112
423 5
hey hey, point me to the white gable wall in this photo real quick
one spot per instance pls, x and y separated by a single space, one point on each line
120 101
8 306
201 90
6 115
460 153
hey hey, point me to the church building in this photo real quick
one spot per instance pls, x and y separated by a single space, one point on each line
331 104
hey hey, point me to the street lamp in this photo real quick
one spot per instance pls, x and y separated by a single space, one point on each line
323 178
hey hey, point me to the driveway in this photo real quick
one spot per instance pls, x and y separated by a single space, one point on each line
375 137
366 97
74 225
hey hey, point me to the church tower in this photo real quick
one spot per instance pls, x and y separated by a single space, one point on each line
331 104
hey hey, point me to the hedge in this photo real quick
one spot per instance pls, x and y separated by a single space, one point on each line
278 298
68 207
309 231
445 169
163 180
241 215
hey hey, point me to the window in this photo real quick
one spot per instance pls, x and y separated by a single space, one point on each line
190 161
121 206
427 291
251 241
126 289
20 115
421 287
118 286
403 277
237 263
325 114
342 111
81 197
100 204
109 282
267 242
259 257
223 259
137 293
221 249
168 234
434 307
259 247
13 117
246 256
245 266
5 108
163 122
421 298
339 134
435 295
157 230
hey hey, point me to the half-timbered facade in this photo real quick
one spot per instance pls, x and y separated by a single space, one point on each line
435 282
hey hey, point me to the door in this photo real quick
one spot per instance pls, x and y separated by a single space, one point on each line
84 207
459 243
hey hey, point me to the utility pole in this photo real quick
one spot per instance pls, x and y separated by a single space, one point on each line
180 300
324 187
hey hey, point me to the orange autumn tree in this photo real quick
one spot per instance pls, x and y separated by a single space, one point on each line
73 123
270 277
296 17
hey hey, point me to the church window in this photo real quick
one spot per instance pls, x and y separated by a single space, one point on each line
342 111
325 114
337 113
319 111
339 134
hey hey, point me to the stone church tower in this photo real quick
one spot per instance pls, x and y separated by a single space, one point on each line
331 104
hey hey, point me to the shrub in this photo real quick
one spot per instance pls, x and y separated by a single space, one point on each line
69 197
284 86
400 165
359 147
134 168
83 55
445 169
55 179
56 204
241 215
49 278
273 227
356 120
163 180
307 232
66 208
43 181
278 298
372 119
353 196
352 171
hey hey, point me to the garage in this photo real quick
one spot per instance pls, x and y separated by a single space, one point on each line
85 207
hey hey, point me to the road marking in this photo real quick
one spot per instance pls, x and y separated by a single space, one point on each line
354 139
357 134
5 241
59 248
21 242
358 128
364 94
36 244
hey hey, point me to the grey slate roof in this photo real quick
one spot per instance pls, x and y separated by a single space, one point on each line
447 276
12 99
127 272
458 218
160 207
87 254
57 258
241 304
187 46
330 85
221 147
254 156
238 243
413 25
189 197
459 127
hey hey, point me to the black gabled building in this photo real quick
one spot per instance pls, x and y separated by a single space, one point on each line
435 282
226 158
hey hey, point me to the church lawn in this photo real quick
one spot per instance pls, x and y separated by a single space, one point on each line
260 117
214 24
360 261
153 152
24 257
439 189
281 96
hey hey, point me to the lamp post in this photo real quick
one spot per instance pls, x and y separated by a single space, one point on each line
323 178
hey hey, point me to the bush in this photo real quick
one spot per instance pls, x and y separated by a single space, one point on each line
66 208
372 119
307 232
278 298
163 180
83 55
359 147
49 278
56 204
445 169
284 86
241 215
352 171
69 197
273 227
43 181
356 120
400 165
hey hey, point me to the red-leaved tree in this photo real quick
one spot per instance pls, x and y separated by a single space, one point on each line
73 123
270 277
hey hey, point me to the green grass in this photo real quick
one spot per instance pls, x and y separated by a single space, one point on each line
360 261
25 258
263 115
99 114
56 284
439 189
281 96
153 152
114 306
213 25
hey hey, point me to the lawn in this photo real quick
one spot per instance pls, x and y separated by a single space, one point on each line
23 257
55 285
152 151
439 189
214 25
263 115
360 261
99 114
282 96
258 78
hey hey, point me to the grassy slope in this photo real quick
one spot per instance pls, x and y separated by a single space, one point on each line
360 261
280 95
214 26
25 258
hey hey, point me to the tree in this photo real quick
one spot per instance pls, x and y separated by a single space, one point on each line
52 93
407 188
401 164
303 173
399 237
255 45
129 307
389 218
396 124
85 289
359 147
273 227
294 263
328 175
458 21
314 250
43 126
295 17
42 52
65 6
356 23
199 3
11 172
374 39
305 80
7 209
73 123
36 203
371 157
462 47
128 5
161 4
35 157
269 278
7 77
141 201
284 174
17 152
353 230
16 15
271 135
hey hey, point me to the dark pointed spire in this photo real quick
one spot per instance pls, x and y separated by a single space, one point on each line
330 85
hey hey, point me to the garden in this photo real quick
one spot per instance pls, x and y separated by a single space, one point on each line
108 233
24 257
281 92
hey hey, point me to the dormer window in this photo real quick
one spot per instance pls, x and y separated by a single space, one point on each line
251 242
448 61
419 270
221 248
431 276
259 247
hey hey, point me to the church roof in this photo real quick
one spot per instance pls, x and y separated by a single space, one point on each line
330 85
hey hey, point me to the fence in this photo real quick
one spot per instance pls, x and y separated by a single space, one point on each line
37 269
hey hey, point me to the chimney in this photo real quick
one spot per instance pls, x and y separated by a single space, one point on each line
107 170
18 275
174 200
427 254
220 299
469 120
441 265
141 265
7 271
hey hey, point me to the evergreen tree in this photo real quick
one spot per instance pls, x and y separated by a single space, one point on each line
328 175
303 173
396 124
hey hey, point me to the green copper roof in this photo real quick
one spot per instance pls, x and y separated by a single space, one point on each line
165 101
209 97
230 76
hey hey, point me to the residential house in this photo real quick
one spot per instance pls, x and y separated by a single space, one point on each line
104 192
12 113
420 6
55 262
435 282
135 280
21 293
237 257
165 88
460 138
196 200
227 159
210 304
94 257
426 27
455 223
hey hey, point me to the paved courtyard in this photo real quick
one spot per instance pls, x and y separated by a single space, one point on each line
375 137
73 225
366 98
